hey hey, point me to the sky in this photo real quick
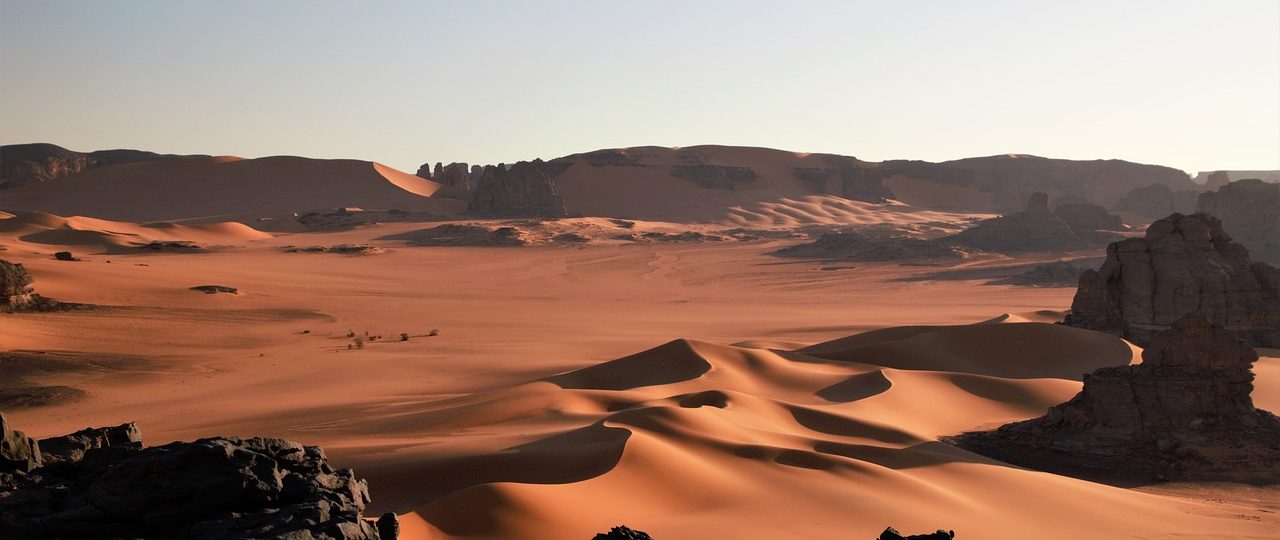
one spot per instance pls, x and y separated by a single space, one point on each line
1189 84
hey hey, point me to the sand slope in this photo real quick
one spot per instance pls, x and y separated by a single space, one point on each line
93 235
227 189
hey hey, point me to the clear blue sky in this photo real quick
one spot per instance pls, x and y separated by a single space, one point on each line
1191 84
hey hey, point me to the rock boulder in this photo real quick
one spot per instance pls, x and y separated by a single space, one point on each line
1184 265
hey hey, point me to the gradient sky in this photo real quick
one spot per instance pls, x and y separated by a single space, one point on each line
1190 84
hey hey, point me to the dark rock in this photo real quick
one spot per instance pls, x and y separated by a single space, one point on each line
15 287
526 189
622 532
18 452
1034 229
388 526
1157 200
22 164
570 238
847 177
1250 213
170 245
680 238
208 489
1054 274
855 246
715 176
463 235
1185 265
74 446
1184 413
424 171
215 289
891 533
455 177
1085 218
65 256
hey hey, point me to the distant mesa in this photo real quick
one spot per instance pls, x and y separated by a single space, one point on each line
24 164
1184 413
691 184
1250 213
1036 228
1184 265
1216 179
1154 201
1054 274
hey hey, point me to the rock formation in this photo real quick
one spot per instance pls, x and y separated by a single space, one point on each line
1185 265
208 489
73 447
1084 218
1184 413
464 235
622 532
893 534
1034 229
854 246
522 190
388 526
15 287
1250 213
456 180
22 164
847 177
1157 200
18 452
424 171
1054 274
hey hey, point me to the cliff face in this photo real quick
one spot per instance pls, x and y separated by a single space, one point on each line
525 189
1250 213
1185 265
22 164
1185 412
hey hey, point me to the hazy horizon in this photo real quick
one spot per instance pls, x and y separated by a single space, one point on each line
1172 83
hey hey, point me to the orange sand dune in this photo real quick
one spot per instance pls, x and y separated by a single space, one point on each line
38 229
221 189
554 403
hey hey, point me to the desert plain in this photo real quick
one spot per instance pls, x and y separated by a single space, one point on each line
688 386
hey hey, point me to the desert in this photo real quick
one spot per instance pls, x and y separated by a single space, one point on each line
506 271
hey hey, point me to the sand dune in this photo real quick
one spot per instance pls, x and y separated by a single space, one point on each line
227 189
102 236
789 213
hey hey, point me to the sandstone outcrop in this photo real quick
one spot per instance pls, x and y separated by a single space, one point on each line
855 246
525 189
847 177
1085 218
18 452
208 489
1036 228
1184 265
15 287
1156 200
1250 213
464 235
1054 274
1184 413
22 164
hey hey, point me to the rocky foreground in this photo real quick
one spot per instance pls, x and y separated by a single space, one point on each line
101 483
